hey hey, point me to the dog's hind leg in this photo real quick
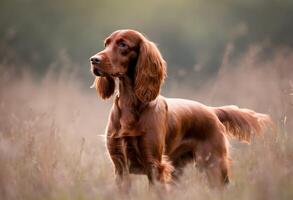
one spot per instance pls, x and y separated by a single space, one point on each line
212 156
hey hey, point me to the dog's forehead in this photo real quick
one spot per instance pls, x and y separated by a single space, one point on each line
130 35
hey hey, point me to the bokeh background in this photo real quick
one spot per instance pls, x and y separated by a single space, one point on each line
218 52
192 35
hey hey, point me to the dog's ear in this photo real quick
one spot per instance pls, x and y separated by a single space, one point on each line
150 72
105 86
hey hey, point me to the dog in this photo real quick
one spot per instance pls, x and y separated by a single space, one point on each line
157 136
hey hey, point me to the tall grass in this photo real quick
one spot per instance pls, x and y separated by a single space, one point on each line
52 144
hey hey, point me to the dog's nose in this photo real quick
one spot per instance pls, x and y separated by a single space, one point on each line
95 59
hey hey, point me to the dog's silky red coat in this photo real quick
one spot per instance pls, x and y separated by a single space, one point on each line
157 136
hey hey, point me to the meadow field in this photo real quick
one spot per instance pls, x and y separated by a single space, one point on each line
52 143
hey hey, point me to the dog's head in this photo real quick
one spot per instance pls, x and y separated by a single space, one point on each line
129 53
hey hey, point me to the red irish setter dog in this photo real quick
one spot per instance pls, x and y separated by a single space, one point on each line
157 136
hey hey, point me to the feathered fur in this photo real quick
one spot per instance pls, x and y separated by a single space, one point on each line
242 123
157 136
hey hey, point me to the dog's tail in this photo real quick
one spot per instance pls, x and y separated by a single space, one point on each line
243 123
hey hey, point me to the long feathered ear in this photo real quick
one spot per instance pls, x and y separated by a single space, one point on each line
105 86
150 72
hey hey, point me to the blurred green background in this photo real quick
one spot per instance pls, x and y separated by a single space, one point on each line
192 34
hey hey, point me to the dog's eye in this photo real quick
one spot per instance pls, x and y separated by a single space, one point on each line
122 44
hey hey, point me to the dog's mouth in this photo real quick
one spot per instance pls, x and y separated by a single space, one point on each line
98 72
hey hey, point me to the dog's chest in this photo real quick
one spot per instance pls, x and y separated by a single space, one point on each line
124 122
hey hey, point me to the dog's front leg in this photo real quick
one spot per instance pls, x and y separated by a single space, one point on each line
157 166
122 180
117 148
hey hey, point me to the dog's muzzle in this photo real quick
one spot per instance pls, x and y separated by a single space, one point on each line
95 61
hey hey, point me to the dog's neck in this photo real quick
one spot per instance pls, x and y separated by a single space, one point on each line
129 105
127 98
